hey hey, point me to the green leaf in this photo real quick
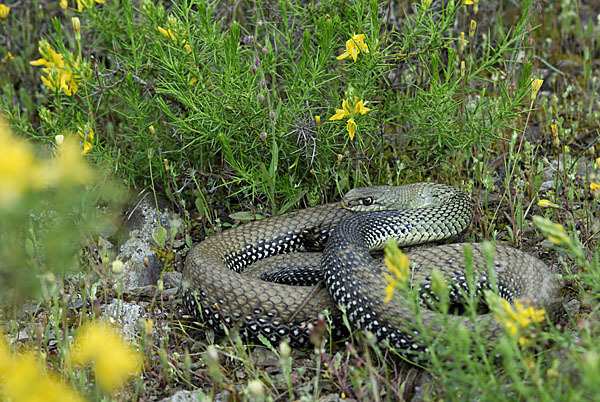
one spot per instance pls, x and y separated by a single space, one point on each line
160 237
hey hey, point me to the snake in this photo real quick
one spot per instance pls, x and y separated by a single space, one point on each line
217 291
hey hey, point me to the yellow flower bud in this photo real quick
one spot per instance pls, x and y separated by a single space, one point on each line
4 11
117 267
536 84
472 29
547 204
256 389
76 28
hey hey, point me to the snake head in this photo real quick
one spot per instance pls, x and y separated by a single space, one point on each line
375 198
408 196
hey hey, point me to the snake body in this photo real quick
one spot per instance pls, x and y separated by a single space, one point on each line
217 292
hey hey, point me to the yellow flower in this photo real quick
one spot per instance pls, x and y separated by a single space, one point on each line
86 135
470 2
24 379
318 121
536 84
594 186
21 172
114 360
18 167
166 32
354 46
68 167
81 4
463 41
62 75
547 204
341 113
7 58
4 11
173 30
358 107
64 4
554 129
351 127
514 319
398 264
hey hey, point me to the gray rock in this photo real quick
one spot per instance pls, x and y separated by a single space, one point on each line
141 265
127 315
186 396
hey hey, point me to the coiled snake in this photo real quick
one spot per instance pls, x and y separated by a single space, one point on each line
216 292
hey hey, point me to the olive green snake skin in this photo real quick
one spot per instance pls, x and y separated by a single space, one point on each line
216 292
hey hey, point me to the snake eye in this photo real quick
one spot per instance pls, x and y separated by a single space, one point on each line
367 201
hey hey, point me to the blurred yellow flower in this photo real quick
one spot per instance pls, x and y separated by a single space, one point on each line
594 186
398 264
27 381
7 58
113 359
20 171
23 378
64 4
166 32
515 318
547 204
357 108
4 11
555 232
470 2
354 46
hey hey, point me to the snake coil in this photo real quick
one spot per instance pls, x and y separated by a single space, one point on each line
217 292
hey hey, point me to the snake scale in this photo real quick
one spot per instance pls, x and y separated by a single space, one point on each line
218 293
